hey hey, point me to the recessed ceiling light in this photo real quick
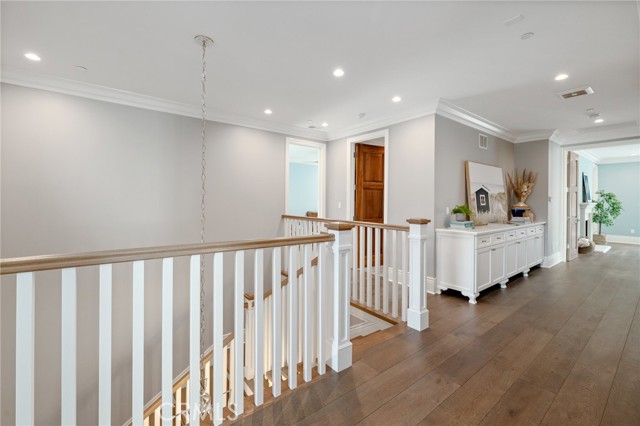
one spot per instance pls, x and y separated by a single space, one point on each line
598 120
338 72
561 77
325 124
526 36
396 99
268 111
32 56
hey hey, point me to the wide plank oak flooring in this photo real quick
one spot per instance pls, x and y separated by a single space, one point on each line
561 347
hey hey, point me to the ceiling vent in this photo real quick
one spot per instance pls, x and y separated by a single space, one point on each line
574 93
483 141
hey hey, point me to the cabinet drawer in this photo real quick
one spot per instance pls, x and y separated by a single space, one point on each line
483 241
497 238
531 231
511 235
539 230
521 233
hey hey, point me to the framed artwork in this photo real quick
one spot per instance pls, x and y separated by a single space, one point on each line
586 191
486 194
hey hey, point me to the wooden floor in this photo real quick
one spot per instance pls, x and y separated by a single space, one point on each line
561 347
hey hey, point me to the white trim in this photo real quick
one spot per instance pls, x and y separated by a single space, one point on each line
618 160
623 239
431 285
552 260
449 110
588 156
322 172
370 126
123 97
534 136
351 170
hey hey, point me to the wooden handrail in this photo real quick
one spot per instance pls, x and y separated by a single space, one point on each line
351 222
57 261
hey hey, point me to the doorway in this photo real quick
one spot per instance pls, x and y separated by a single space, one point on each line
305 177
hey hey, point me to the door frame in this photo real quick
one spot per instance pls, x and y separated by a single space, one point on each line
351 170
322 172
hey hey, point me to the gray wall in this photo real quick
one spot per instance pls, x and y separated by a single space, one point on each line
534 156
455 144
80 175
410 181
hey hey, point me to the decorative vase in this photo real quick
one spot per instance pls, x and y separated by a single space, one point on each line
461 217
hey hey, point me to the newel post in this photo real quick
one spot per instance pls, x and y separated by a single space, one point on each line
340 358
418 314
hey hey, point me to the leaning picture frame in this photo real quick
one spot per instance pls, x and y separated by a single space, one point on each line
486 194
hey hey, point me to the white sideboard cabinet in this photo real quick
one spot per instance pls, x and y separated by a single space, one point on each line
470 260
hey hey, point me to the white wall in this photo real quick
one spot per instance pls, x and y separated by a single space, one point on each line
555 239
80 175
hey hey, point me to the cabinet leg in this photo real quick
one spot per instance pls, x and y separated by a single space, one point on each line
472 297
525 273
503 284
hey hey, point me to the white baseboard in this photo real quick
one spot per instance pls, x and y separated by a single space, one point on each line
622 239
552 260
431 285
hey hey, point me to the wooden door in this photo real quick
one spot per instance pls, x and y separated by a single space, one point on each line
369 189
572 206
369 205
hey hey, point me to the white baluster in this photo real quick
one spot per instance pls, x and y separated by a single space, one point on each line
418 315
219 368
194 341
354 265
361 265
378 255
369 268
68 347
405 276
394 271
341 351
321 286
385 272
25 365
276 309
249 339
293 319
167 340
307 321
239 333
258 329
137 356
104 346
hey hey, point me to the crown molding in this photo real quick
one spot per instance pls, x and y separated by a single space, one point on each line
589 157
122 97
372 125
534 136
450 110
619 160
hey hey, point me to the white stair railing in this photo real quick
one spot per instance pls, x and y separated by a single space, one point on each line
380 276
295 335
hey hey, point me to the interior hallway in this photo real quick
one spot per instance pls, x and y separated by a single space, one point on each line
561 347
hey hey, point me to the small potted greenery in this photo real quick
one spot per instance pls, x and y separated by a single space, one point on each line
607 208
461 212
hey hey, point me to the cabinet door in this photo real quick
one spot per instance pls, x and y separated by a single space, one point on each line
483 268
531 252
521 255
510 265
538 249
497 264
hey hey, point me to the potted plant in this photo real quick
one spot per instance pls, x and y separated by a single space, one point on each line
607 208
460 212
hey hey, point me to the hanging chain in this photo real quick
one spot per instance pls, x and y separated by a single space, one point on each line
203 193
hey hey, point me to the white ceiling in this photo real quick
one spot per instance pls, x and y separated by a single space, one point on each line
613 154
280 55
